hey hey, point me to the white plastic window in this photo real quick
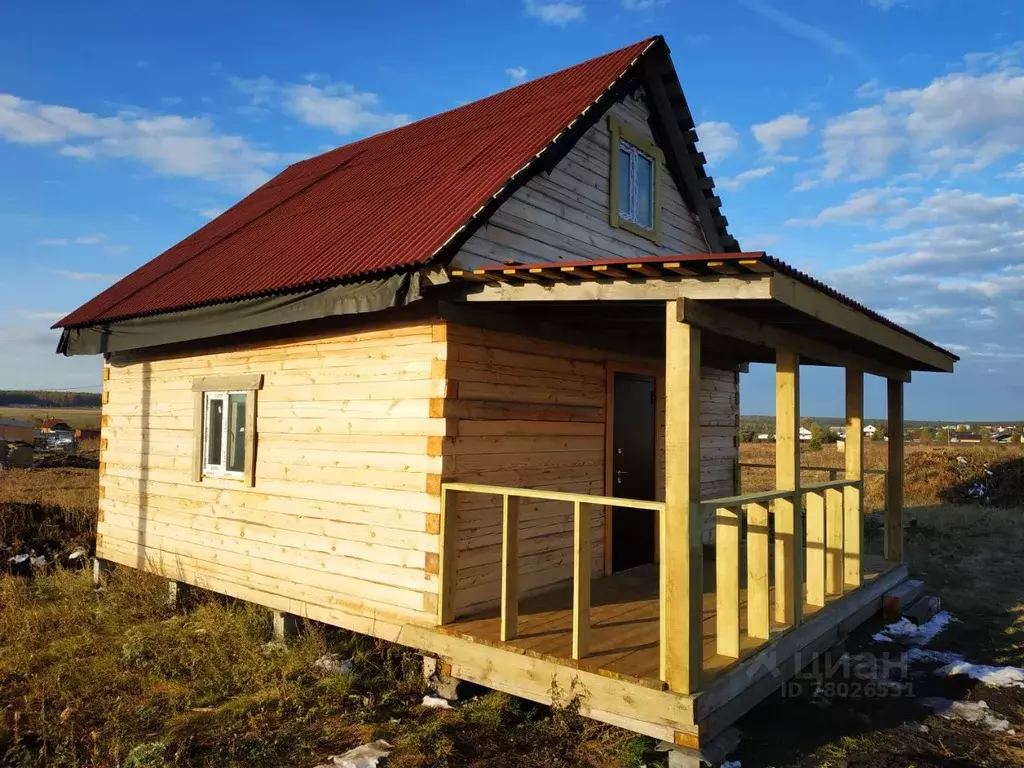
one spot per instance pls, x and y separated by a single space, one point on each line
224 434
636 185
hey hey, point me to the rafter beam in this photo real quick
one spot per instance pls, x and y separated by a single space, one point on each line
730 324
666 289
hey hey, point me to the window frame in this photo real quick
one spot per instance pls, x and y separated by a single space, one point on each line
621 132
207 390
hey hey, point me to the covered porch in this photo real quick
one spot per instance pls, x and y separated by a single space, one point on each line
718 626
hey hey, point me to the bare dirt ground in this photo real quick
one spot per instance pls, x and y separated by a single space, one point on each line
117 678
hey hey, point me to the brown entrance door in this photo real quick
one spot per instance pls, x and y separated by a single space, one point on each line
633 426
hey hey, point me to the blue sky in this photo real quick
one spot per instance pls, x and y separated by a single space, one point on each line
878 144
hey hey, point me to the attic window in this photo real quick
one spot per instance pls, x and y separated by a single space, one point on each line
635 189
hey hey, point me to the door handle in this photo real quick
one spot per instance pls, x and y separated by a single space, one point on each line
619 473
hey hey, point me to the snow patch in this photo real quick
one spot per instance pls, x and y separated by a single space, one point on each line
997 677
970 711
436 702
907 631
927 656
364 756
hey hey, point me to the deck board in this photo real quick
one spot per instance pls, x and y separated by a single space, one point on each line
625 631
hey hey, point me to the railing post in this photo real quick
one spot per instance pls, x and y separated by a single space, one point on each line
446 556
894 479
815 501
834 541
727 581
509 567
789 582
853 505
758 597
580 582
682 592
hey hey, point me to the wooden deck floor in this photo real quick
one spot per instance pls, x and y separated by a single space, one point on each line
624 635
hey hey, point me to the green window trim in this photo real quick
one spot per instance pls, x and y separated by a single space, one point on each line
620 132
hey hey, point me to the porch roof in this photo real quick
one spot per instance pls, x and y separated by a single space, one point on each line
762 297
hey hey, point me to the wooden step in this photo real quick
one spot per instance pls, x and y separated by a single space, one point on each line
895 602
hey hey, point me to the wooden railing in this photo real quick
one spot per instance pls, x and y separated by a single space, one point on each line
825 547
510 498
832 472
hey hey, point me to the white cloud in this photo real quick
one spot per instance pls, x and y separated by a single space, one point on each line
80 240
741 179
773 134
951 206
801 29
717 140
320 103
888 5
860 143
643 5
170 145
958 123
557 13
860 206
516 73
72 275
210 213
28 359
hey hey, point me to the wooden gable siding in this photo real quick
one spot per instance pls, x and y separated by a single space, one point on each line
563 215
343 520
531 413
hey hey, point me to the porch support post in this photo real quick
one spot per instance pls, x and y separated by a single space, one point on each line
853 496
682 526
894 478
789 555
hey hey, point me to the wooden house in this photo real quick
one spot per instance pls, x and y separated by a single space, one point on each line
471 385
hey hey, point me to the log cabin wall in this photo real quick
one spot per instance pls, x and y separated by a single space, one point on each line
532 413
342 522
563 215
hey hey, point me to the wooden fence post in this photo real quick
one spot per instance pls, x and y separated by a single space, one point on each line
789 582
894 478
853 505
509 567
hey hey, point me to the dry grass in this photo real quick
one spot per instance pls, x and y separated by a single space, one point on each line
117 678
79 418
931 469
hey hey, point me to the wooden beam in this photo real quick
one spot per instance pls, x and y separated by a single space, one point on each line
520 274
478 276
834 541
727 582
789 582
723 267
827 309
605 270
894 480
548 274
446 556
581 582
584 273
681 563
679 269
727 323
756 265
509 567
758 607
853 497
815 512
666 289
646 270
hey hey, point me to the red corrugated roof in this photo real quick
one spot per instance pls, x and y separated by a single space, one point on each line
380 204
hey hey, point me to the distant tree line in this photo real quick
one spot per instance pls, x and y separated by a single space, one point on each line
47 399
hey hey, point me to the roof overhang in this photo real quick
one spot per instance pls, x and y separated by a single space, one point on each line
754 298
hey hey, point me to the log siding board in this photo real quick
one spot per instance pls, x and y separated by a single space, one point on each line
564 215
346 477
508 430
